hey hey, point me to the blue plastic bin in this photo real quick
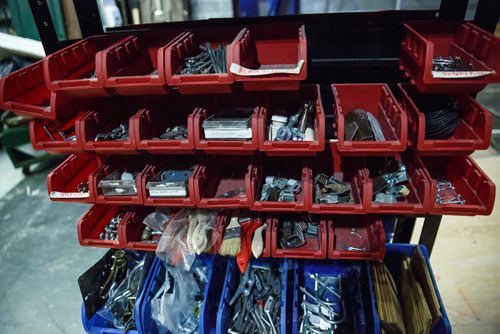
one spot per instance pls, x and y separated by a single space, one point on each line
393 256
231 284
99 325
354 279
208 312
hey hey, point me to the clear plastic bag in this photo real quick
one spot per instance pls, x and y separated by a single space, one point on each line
119 306
189 232
156 220
175 307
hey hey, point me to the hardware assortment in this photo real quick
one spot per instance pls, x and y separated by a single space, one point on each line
155 225
361 125
176 306
178 132
280 189
389 187
111 287
446 193
298 127
224 125
209 60
324 308
111 229
119 133
170 183
356 242
255 305
52 131
329 190
450 64
295 232
119 183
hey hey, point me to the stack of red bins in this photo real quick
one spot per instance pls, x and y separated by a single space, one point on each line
80 97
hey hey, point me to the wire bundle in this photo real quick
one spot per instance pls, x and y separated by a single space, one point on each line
441 123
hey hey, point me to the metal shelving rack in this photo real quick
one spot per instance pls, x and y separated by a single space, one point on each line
342 48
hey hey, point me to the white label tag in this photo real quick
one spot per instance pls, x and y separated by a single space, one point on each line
167 192
228 134
459 74
57 194
267 70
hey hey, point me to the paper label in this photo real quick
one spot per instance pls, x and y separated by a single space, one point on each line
228 134
167 192
57 194
459 74
267 70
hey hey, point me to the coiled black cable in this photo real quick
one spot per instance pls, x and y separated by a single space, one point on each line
442 123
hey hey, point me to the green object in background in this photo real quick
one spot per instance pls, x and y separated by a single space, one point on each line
24 24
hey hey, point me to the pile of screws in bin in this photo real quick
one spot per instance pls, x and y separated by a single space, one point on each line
119 275
209 60
255 305
280 189
119 183
155 225
361 125
446 193
298 127
52 131
170 183
389 187
118 133
323 310
296 232
111 229
450 64
178 132
329 190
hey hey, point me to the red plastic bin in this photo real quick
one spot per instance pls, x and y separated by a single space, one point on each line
41 140
73 69
112 164
135 65
356 231
102 118
417 201
424 40
470 182
288 104
288 168
315 248
378 100
132 230
152 121
160 164
24 92
93 222
351 170
63 181
188 46
268 45
473 132
217 175
214 103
